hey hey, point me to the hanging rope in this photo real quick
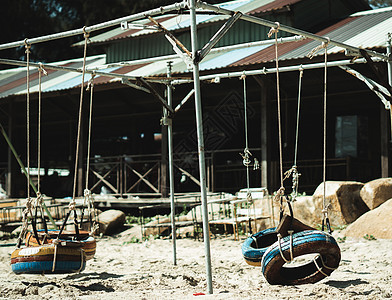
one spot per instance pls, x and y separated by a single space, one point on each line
294 169
246 156
29 203
72 204
88 199
279 194
39 198
28 47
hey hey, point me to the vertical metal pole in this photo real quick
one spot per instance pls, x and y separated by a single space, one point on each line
200 140
385 135
389 53
171 163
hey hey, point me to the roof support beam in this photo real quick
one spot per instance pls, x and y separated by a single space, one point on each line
66 69
156 94
183 101
214 50
289 29
265 71
217 36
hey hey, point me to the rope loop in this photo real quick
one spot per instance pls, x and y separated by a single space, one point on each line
39 200
243 76
87 193
72 205
27 46
86 35
42 70
315 50
274 29
90 83
301 71
279 194
246 157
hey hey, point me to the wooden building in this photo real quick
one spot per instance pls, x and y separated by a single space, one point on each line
129 150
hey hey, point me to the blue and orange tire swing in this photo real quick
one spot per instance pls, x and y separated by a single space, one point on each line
53 251
273 248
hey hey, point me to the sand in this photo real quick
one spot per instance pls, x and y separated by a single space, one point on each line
123 270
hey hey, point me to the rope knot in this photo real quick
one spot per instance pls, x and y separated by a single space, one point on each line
72 205
87 193
27 46
42 70
39 199
86 35
90 83
274 29
249 196
246 157
279 194
315 50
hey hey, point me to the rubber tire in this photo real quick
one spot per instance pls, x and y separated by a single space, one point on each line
38 260
89 243
305 242
252 251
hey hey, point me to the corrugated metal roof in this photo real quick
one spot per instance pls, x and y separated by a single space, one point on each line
13 81
366 29
179 21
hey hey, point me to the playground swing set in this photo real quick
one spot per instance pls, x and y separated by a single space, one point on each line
60 251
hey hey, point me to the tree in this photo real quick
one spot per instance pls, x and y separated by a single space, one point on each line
33 18
380 3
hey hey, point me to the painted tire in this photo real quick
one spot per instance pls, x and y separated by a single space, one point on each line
89 243
305 242
38 260
255 246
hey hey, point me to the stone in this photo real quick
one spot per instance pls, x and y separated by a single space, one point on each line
373 223
376 192
345 202
110 221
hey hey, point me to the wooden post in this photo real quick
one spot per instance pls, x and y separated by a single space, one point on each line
384 129
264 166
12 166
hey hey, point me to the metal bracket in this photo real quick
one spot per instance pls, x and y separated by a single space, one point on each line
125 26
166 121
134 85
349 52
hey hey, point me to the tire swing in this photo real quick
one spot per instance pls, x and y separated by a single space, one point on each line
84 238
321 245
257 244
254 246
49 254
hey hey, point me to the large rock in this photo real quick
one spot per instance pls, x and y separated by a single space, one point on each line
375 222
376 192
110 221
346 204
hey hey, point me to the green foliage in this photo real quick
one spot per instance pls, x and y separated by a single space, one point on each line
369 237
341 239
380 3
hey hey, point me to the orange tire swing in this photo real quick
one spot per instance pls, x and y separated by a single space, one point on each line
88 243
61 252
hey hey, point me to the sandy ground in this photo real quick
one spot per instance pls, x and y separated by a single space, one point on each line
145 271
